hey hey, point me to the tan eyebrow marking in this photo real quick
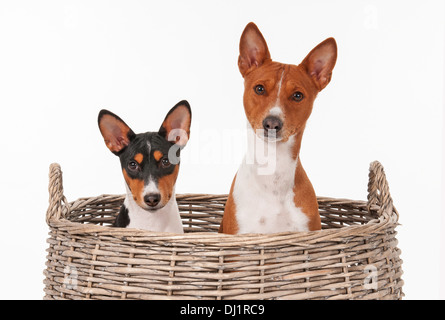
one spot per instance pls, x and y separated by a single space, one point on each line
139 157
158 155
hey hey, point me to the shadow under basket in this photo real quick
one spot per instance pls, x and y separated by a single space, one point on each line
354 256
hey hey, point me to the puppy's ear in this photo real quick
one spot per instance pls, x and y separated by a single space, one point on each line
176 125
117 135
320 62
253 51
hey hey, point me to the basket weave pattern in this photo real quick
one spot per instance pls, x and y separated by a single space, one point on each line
354 256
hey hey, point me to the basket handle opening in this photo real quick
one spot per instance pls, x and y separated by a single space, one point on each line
378 190
57 201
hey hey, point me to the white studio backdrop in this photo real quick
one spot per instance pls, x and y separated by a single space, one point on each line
63 61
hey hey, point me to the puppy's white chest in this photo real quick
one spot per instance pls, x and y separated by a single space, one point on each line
166 219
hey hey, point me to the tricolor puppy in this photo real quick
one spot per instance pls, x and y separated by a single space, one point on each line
150 165
276 196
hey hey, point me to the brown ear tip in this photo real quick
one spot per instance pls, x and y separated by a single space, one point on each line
331 42
251 25
252 28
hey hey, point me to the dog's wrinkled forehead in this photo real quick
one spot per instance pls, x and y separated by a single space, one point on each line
145 148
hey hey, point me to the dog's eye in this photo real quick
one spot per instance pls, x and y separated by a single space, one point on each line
133 165
165 163
259 89
297 96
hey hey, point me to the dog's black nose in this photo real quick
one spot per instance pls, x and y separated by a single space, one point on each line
272 123
152 199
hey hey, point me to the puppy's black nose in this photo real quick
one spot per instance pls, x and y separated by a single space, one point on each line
152 199
272 123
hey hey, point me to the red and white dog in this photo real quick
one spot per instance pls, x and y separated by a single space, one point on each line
276 195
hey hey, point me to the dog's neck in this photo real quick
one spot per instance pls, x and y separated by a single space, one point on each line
264 188
165 219
272 158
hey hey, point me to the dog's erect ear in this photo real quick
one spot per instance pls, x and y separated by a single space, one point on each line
320 62
176 125
116 133
253 51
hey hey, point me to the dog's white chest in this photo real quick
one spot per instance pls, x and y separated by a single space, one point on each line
265 202
166 219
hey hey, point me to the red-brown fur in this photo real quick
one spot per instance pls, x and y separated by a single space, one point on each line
157 155
310 77
228 223
136 187
294 79
139 158
166 185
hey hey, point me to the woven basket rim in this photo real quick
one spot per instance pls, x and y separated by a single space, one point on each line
379 201
355 256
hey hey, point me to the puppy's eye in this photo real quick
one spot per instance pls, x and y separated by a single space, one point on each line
259 89
165 163
133 165
297 96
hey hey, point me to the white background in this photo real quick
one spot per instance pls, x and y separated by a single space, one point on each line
62 61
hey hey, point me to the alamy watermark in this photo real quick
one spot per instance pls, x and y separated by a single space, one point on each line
371 19
371 280
216 147
70 278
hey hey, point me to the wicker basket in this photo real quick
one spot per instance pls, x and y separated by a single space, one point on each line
354 256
